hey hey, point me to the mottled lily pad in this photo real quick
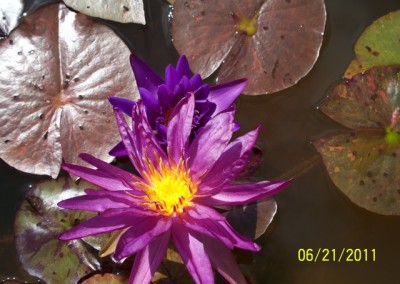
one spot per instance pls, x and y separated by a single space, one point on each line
273 43
10 11
252 220
106 278
172 270
124 11
364 163
37 224
378 45
57 70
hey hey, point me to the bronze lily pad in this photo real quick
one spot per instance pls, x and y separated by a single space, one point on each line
273 43
364 162
58 68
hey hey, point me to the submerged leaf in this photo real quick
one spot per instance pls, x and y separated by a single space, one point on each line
58 68
364 163
106 278
378 45
37 224
124 11
272 43
10 11
252 220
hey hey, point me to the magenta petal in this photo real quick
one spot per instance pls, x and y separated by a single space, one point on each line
210 142
148 260
231 162
144 75
123 104
110 220
96 177
118 150
110 169
225 94
99 202
193 254
135 239
223 260
180 126
204 212
239 194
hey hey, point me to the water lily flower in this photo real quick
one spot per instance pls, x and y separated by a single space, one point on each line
160 97
174 194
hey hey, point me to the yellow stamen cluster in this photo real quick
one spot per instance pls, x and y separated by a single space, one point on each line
169 188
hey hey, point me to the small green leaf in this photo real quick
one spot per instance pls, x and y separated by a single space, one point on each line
378 45
39 221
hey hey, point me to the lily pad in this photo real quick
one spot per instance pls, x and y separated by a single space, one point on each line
172 270
10 11
106 278
123 11
364 163
273 43
58 68
252 220
37 224
378 45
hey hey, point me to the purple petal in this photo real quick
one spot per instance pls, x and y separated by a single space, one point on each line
202 92
204 212
148 260
223 260
99 201
222 231
192 253
231 162
182 67
140 141
135 239
171 77
144 75
225 94
106 167
151 103
239 194
210 142
123 104
110 220
118 150
180 126
97 177
196 81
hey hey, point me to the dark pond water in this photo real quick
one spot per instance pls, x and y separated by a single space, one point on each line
312 213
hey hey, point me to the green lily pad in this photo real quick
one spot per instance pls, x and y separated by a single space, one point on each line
39 221
106 278
364 163
378 45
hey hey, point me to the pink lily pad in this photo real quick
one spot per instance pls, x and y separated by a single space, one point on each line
364 163
10 12
273 43
37 224
58 68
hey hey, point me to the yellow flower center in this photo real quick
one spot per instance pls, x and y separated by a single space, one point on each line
169 189
248 25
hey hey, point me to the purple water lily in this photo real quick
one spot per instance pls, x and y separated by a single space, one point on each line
174 194
160 98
